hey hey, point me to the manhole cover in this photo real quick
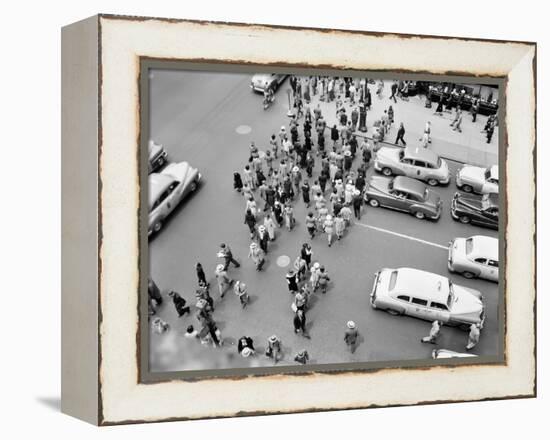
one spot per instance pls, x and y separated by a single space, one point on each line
283 261
243 129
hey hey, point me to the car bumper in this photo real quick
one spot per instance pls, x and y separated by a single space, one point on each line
377 166
257 87
445 180
373 291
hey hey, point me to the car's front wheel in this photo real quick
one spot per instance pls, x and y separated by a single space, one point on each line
468 275
466 188
419 215
464 219
394 312
433 182
374 203
387 171
193 186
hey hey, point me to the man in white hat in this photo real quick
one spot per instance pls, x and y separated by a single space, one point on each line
329 229
351 336
257 255
223 279
245 343
241 291
263 238
273 349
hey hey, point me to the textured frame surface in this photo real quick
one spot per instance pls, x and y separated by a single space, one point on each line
122 41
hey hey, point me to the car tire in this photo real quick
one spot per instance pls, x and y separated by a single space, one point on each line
387 171
419 215
467 188
394 312
464 327
468 275
193 186
374 203
464 219
157 227
433 182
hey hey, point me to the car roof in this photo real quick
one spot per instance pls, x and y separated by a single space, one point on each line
158 183
421 154
262 75
494 172
483 246
408 185
422 284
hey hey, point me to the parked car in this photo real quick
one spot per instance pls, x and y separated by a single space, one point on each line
416 162
403 194
478 210
474 257
167 189
477 179
261 81
428 296
442 353
157 156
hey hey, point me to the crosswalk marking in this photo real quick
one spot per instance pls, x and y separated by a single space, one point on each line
397 234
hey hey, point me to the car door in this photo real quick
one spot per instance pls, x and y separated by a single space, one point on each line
399 200
490 217
440 311
418 308
420 169
482 267
171 198
407 167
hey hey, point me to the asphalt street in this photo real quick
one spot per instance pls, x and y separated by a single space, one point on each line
209 120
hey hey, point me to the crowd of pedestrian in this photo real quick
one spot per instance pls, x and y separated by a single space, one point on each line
324 168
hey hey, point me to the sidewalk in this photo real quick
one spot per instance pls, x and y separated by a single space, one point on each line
470 146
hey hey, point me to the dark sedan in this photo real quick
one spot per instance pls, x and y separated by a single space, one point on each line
403 194
478 210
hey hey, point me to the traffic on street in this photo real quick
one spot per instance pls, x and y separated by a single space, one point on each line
320 220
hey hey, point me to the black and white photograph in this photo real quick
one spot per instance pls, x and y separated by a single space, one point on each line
321 220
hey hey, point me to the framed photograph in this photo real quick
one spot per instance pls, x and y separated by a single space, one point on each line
262 220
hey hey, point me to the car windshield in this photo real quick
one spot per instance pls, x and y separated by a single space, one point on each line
393 280
469 245
390 185
451 297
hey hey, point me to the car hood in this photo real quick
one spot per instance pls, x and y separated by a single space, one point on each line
473 174
379 183
468 303
469 202
261 78
386 153
182 172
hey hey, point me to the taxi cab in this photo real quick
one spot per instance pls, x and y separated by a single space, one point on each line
416 162
425 295
474 257
167 189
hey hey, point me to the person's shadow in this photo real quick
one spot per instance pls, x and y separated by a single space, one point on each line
52 403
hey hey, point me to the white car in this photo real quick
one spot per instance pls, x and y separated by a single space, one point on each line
428 296
167 189
442 353
157 156
416 162
476 179
261 81
474 257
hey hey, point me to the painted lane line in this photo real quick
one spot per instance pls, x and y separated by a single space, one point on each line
397 234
